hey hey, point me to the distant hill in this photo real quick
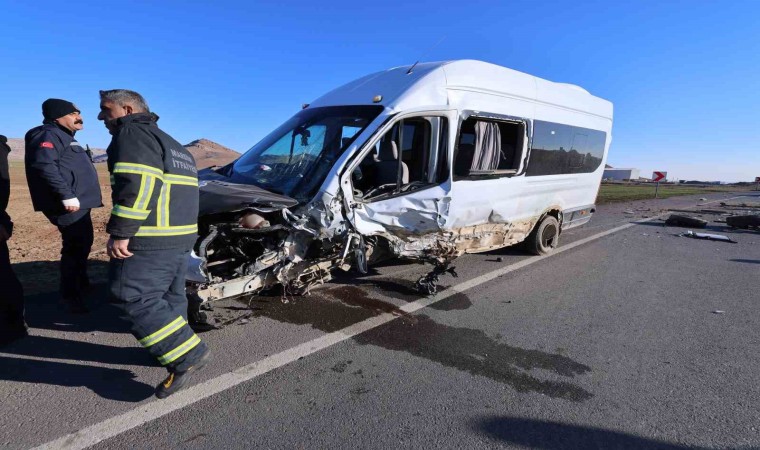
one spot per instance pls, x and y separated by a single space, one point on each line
206 153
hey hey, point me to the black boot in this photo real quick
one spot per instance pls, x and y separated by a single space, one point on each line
178 380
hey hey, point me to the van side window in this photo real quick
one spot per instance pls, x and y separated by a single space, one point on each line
564 149
411 155
489 147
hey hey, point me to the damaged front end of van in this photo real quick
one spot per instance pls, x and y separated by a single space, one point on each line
260 221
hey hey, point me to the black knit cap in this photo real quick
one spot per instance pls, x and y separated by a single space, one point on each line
54 108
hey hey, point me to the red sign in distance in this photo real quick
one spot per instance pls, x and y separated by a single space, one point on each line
657 176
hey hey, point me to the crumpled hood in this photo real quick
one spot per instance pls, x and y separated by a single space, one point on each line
218 195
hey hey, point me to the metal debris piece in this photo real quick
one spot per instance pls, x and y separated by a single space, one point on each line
499 259
685 221
628 211
709 237
718 311
428 284
744 222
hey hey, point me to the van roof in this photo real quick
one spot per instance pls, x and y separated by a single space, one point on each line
429 84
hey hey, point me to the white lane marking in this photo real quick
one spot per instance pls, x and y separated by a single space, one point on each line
143 414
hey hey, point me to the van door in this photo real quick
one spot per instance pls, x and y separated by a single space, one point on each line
400 183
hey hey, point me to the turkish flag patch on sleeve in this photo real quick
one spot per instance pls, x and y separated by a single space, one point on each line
47 145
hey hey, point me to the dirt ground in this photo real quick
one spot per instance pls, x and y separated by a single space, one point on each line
36 244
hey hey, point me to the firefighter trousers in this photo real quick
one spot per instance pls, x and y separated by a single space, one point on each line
149 289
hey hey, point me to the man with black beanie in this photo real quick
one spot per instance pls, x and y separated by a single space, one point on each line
64 186
12 325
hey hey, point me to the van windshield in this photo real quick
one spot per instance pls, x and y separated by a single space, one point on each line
295 158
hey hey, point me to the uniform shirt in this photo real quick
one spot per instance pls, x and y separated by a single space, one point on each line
57 169
154 184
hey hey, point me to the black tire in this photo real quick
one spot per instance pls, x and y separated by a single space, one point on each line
544 238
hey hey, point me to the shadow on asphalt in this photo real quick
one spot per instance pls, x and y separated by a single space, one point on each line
547 435
469 350
44 311
43 307
112 384
54 348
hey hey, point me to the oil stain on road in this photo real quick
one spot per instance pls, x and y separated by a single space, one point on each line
465 349
475 352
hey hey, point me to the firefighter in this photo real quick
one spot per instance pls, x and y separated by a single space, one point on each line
64 185
152 228
12 325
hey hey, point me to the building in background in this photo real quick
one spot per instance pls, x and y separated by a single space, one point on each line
611 173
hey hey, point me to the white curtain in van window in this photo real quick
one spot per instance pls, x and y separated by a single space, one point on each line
487 146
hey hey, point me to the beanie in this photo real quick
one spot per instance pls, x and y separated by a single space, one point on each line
54 108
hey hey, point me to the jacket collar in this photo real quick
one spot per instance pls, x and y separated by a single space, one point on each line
54 124
144 118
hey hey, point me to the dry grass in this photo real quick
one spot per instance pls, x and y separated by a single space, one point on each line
609 193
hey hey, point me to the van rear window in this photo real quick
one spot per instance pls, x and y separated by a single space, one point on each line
563 149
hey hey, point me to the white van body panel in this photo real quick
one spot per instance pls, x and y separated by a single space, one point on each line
495 207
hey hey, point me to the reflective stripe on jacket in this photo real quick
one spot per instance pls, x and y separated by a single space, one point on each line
154 186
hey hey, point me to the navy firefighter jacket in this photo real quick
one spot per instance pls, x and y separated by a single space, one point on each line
154 185
57 169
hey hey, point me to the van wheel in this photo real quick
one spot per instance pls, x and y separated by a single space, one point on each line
544 238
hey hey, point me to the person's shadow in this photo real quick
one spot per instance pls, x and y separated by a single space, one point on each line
43 311
112 384
543 434
65 349
42 300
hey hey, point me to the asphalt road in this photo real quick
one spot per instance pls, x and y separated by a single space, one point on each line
636 339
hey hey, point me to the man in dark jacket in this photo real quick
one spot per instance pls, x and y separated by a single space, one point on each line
12 325
153 226
64 186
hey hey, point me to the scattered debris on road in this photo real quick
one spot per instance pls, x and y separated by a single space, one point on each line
709 237
685 221
740 205
718 311
744 222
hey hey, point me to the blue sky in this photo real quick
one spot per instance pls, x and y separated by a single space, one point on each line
684 76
